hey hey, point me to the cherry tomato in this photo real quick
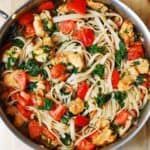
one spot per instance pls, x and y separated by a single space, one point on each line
85 35
85 145
46 6
122 117
135 51
78 6
29 31
26 18
21 79
23 98
115 78
82 90
67 26
26 113
58 70
81 121
48 134
58 111
47 86
35 130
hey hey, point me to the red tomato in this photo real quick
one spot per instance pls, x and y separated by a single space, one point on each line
85 35
85 145
23 98
122 117
58 112
26 113
21 79
26 19
82 90
135 51
67 26
115 78
48 134
47 85
58 70
81 121
78 6
35 130
46 6
29 31
146 84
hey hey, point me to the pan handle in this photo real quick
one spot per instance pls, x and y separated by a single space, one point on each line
3 17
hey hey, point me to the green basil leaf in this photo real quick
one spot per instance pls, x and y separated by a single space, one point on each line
18 42
66 139
11 62
32 86
95 49
103 99
99 70
120 54
119 97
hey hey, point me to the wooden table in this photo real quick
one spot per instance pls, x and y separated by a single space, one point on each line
140 142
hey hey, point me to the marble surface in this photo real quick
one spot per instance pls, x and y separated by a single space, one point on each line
141 142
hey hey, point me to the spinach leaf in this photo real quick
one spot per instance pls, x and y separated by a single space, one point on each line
18 42
65 119
75 70
101 100
95 49
47 104
47 25
139 80
44 73
119 97
99 70
11 62
120 54
31 66
46 48
66 139
32 86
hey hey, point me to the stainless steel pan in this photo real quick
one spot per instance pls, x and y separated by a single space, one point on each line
124 11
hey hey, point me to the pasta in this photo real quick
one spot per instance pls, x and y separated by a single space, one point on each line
77 76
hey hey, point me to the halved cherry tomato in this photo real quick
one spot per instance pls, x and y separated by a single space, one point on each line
35 130
58 111
146 84
122 117
26 113
85 35
135 51
26 18
23 98
85 145
115 78
78 6
58 70
47 85
81 121
48 134
46 6
67 26
82 90
29 31
21 79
